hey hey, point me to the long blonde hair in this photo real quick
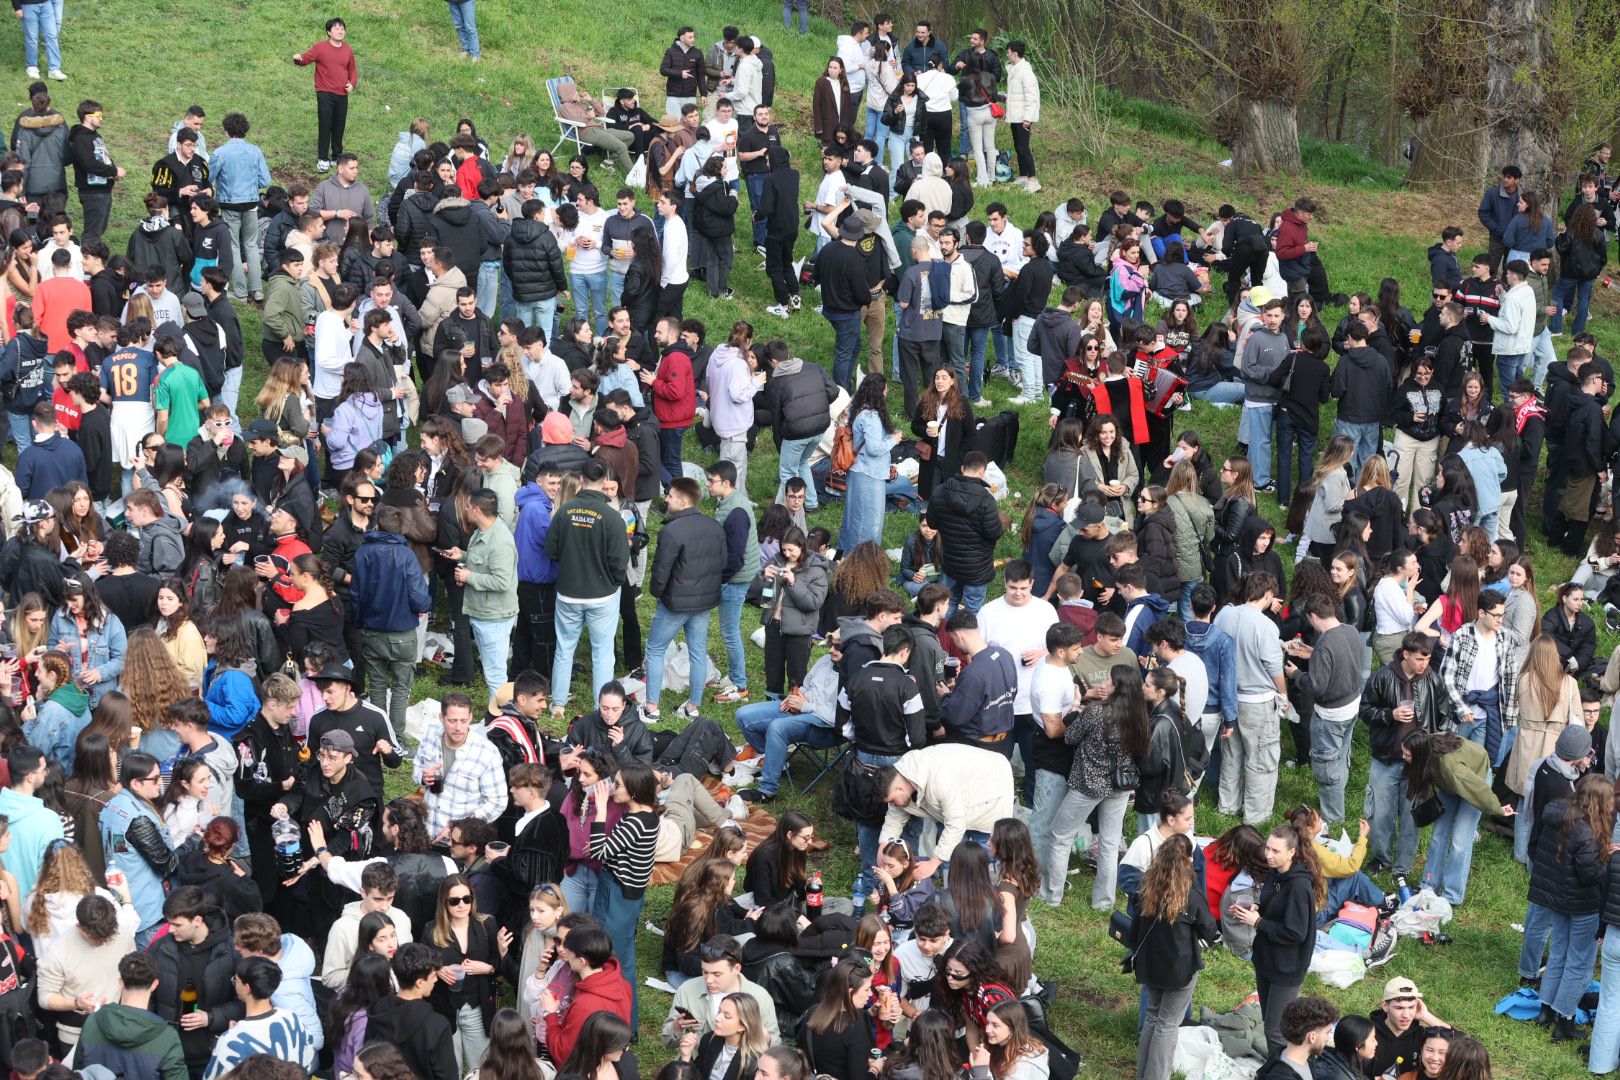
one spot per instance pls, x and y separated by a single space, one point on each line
511 357
1051 496
1184 477
754 1040
286 379
151 680
1543 674
1340 450
26 640
140 307
1374 473
62 871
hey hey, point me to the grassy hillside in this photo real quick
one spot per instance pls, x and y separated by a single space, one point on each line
146 65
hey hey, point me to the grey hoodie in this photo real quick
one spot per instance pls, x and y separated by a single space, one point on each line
162 547
1263 354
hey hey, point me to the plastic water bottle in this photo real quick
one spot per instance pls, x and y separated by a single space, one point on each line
284 833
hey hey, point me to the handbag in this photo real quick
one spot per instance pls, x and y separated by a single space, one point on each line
1123 773
998 110
1428 811
843 449
857 795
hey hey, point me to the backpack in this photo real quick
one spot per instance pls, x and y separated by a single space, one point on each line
1194 750
1063 1061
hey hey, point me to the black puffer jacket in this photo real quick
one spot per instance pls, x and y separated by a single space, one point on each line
969 526
642 430
1577 642
798 399
457 230
689 562
779 973
1566 875
714 214
1156 544
640 296
533 263
1387 689
1611 895
209 967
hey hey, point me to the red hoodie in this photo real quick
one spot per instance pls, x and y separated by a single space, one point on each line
674 393
604 991
1292 236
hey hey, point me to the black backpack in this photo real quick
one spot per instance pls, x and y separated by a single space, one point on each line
1063 1061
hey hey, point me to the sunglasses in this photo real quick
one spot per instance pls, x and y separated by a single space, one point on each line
459 901
956 976
365 498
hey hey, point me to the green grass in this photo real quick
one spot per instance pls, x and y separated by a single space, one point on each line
234 57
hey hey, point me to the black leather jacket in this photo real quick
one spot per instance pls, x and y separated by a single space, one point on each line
1388 688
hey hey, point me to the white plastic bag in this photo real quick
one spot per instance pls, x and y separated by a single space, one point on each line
997 481
1338 968
1422 913
419 716
637 176
677 668
1199 1057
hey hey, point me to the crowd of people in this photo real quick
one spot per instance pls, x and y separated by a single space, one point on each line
479 395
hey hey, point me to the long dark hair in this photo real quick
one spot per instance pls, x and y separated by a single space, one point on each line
693 916
368 983
199 545
372 923
972 892
872 394
1126 710
1305 853
510 1055
238 593
94 612
1426 748
92 761
1593 802
602 1034
982 969
833 1010
930 1046
789 859
645 253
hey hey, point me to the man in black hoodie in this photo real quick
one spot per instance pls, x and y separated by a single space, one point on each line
1450 365
458 234
1563 386
195 961
1361 384
1583 460
685 81
778 211
1056 336
405 1020
1443 268
94 172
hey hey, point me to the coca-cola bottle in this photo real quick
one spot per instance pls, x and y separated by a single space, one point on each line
813 894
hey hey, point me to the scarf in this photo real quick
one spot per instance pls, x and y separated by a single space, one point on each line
1527 412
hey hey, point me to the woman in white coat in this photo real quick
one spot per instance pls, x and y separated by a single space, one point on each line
1023 111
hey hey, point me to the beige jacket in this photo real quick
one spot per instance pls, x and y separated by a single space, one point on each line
1539 728
962 787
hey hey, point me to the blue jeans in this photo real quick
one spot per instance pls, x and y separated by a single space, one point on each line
1387 807
244 230
1509 367
669 449
489 283
756 193
732 598
39 20
1537 927
1451 849
1571 951
1543 357
1029 363
579 888
1290 434
1259 421
464 17
863 510
1572 294
964 595
1521 835
1605 1055
601 618
874 124
870 835
590 298
615 287
541 313
1358 888
1184 605
620 916
773 732
22 428
794 460
977 337
803 8
847 342
230 393
1222 393
1366 439
899 149
1004 353
665 625
494 640
1050 787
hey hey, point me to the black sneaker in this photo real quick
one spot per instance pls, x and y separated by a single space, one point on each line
754 795
1269 489
1383 944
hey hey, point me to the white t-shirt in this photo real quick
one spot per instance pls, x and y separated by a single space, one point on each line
1007 245
1192 671
1051 690
830 192
1483 674
1018 629
674 270
592 260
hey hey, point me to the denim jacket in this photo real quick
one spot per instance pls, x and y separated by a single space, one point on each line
106 650
239 172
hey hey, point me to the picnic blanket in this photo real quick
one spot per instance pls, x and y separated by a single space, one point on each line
757 827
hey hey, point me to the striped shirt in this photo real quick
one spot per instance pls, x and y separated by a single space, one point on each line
627 851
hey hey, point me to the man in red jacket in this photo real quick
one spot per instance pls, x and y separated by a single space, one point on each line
674 394
335 79
1296 252
598 987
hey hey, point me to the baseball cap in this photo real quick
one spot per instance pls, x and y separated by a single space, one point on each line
37 511
260 429
1259 296
339 740
1088 514
194 304
1398 988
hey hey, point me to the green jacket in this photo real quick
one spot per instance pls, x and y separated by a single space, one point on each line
1466 773
1195 531
130 1042
504 482
903 235
491 574
739 503
283 310
1543 289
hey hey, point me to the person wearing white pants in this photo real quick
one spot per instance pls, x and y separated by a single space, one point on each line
981 130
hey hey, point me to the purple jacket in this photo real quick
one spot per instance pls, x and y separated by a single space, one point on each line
356 424
354 1037
579 813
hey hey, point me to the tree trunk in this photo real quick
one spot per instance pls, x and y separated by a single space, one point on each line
1523 126
1265 137
1448 145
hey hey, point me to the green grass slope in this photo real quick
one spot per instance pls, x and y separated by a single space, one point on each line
147 65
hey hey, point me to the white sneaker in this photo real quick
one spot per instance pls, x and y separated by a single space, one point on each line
1032 185
58 74
793 302
982 403
32 72
323 165
1020 400
779 311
